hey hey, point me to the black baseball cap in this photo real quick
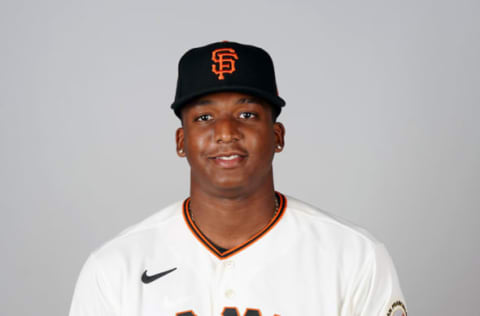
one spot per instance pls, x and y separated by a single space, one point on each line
226 66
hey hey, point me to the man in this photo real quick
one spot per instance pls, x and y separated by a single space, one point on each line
236 246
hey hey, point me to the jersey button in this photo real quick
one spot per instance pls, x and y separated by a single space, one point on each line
229 293
229 264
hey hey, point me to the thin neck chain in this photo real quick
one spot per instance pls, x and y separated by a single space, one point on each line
275 211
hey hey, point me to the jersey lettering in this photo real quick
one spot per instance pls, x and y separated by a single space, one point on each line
229 311
233 311
189 313
253 312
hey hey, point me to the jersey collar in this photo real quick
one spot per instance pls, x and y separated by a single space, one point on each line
224 255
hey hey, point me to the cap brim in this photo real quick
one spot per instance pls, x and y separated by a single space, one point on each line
272 99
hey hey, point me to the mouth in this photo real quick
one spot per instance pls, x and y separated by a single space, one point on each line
228 160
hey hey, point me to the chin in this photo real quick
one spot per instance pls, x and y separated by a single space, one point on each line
231 184
228 184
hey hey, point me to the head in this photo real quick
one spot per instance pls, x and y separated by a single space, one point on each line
228 104
229 140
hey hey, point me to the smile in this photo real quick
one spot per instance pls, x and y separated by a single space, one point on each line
231 157
228 160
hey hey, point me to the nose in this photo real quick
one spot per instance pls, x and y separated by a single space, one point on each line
226 130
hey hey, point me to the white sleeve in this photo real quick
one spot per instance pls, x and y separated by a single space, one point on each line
378 291
93 295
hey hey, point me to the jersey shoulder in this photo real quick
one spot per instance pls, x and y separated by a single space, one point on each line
327 225
141 235
154 221
360 260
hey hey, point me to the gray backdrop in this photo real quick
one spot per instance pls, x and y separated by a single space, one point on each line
382 129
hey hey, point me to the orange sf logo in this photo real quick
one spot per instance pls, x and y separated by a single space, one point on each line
224 59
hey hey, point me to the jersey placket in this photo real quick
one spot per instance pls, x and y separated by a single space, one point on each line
225 288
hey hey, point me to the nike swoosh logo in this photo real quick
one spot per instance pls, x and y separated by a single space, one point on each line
150 278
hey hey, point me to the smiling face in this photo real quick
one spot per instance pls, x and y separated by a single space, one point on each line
229 140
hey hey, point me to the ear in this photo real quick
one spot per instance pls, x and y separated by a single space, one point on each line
279 131
179 137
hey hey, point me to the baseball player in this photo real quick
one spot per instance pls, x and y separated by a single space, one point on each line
236 246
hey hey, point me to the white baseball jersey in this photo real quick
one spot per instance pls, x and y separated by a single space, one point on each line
304 262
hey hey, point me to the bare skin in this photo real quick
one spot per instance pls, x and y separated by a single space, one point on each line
229 140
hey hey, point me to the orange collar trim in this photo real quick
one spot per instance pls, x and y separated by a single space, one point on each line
224 255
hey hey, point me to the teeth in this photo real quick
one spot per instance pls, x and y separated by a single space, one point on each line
228 157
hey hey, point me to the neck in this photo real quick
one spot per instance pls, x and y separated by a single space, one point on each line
229 220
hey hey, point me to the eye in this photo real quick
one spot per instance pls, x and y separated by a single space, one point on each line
247 115
203 118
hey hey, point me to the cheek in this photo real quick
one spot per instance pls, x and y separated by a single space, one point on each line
263 145
195 140
197 144
195 147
